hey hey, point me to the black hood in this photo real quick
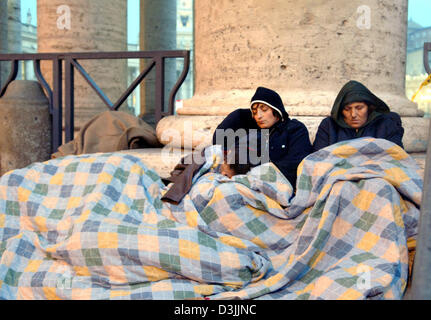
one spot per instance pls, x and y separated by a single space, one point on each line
354 91
270 98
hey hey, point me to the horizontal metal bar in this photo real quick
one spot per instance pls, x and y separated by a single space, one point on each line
94 55
129 54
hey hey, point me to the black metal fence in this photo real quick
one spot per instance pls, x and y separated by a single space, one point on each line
427 49
70 62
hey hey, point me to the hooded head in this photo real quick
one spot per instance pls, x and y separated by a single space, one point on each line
354 91
271 99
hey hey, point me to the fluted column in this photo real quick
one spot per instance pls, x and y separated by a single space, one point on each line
96 25
305 50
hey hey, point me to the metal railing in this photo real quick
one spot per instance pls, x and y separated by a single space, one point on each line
421 274
70 62
427 49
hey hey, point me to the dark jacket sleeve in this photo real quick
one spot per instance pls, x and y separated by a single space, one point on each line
299 147
395 130
182 177
322 139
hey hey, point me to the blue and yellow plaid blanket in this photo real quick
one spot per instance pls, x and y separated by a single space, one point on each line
93 227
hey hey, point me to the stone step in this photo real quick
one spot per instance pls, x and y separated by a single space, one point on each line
162 161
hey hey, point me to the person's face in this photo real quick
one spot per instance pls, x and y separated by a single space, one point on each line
355 114
226 170
263 115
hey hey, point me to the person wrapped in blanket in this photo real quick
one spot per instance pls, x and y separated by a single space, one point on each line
240 157
356 113
286 140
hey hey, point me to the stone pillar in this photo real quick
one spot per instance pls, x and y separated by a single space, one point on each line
3 37
10 32
96 26
3 26
305 50
14 26
158 20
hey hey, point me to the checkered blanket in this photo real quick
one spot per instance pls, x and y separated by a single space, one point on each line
93 227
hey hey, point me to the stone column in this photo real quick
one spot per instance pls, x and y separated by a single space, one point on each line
305 50
10 32
3 37
14 26
96 26
3 26
158 20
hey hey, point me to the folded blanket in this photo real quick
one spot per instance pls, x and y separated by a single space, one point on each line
110 131
94 227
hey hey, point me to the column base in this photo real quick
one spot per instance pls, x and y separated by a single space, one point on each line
296 102
196 131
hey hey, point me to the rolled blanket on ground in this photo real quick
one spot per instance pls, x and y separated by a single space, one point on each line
110 131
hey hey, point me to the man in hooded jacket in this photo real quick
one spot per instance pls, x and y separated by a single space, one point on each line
286 140
357 113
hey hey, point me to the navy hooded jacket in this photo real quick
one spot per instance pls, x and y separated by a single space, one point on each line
289 141
381 122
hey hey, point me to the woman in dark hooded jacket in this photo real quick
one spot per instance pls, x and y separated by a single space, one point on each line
286 140
357 113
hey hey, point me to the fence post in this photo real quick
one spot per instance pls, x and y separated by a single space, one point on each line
69 79
57 104
160 87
